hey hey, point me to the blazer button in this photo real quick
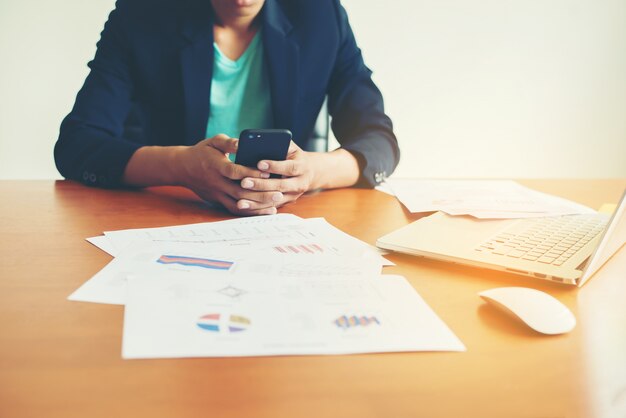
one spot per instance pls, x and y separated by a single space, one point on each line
85 175
92 178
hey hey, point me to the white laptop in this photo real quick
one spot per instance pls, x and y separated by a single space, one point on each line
565 249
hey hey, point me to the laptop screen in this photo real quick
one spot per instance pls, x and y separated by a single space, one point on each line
613 238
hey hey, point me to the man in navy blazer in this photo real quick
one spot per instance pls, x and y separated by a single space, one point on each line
141 116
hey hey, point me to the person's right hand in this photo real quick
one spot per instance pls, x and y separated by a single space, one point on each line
206 170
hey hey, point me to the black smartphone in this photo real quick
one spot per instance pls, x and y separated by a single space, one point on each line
262 144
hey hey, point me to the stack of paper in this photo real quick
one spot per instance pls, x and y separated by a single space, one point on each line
258 286
484 199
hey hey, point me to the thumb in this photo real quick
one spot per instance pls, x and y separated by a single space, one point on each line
223 143
293 150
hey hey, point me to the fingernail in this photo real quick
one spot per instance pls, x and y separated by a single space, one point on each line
265 175
244 205
247 184
263 165
277 197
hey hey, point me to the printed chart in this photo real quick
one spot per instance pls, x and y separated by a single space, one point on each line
286 318
217 322
300 249
232 292
345 321
206 263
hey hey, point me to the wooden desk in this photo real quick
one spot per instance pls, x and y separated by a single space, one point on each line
62 359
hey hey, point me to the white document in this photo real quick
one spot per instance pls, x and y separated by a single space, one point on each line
172 316
223 230
282 234
484 199
320 228
103 243
211 261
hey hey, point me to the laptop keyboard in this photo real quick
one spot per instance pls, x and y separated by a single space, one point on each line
546 240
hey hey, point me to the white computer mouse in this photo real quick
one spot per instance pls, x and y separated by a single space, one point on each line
535 308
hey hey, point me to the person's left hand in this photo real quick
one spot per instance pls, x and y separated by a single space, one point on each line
297 171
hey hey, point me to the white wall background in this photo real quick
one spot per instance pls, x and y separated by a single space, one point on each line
44 50
476 88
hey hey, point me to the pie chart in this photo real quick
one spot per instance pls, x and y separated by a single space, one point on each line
223 323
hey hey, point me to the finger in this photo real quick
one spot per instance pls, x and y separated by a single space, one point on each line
286 185
245 204
288 198
261 199
224 143
288 168
232 207
264 198
293 148
237 172
292 154
267 198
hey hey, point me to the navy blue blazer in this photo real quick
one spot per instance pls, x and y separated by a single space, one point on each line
155 57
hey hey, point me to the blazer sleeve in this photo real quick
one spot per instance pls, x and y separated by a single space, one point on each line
91 147
356 107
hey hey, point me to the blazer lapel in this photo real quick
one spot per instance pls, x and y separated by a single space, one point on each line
281 56
196 58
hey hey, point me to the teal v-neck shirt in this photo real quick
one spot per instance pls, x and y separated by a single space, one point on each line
240 93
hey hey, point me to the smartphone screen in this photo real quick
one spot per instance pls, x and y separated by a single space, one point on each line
262 144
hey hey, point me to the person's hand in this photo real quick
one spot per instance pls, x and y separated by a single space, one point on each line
205 169
297 171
